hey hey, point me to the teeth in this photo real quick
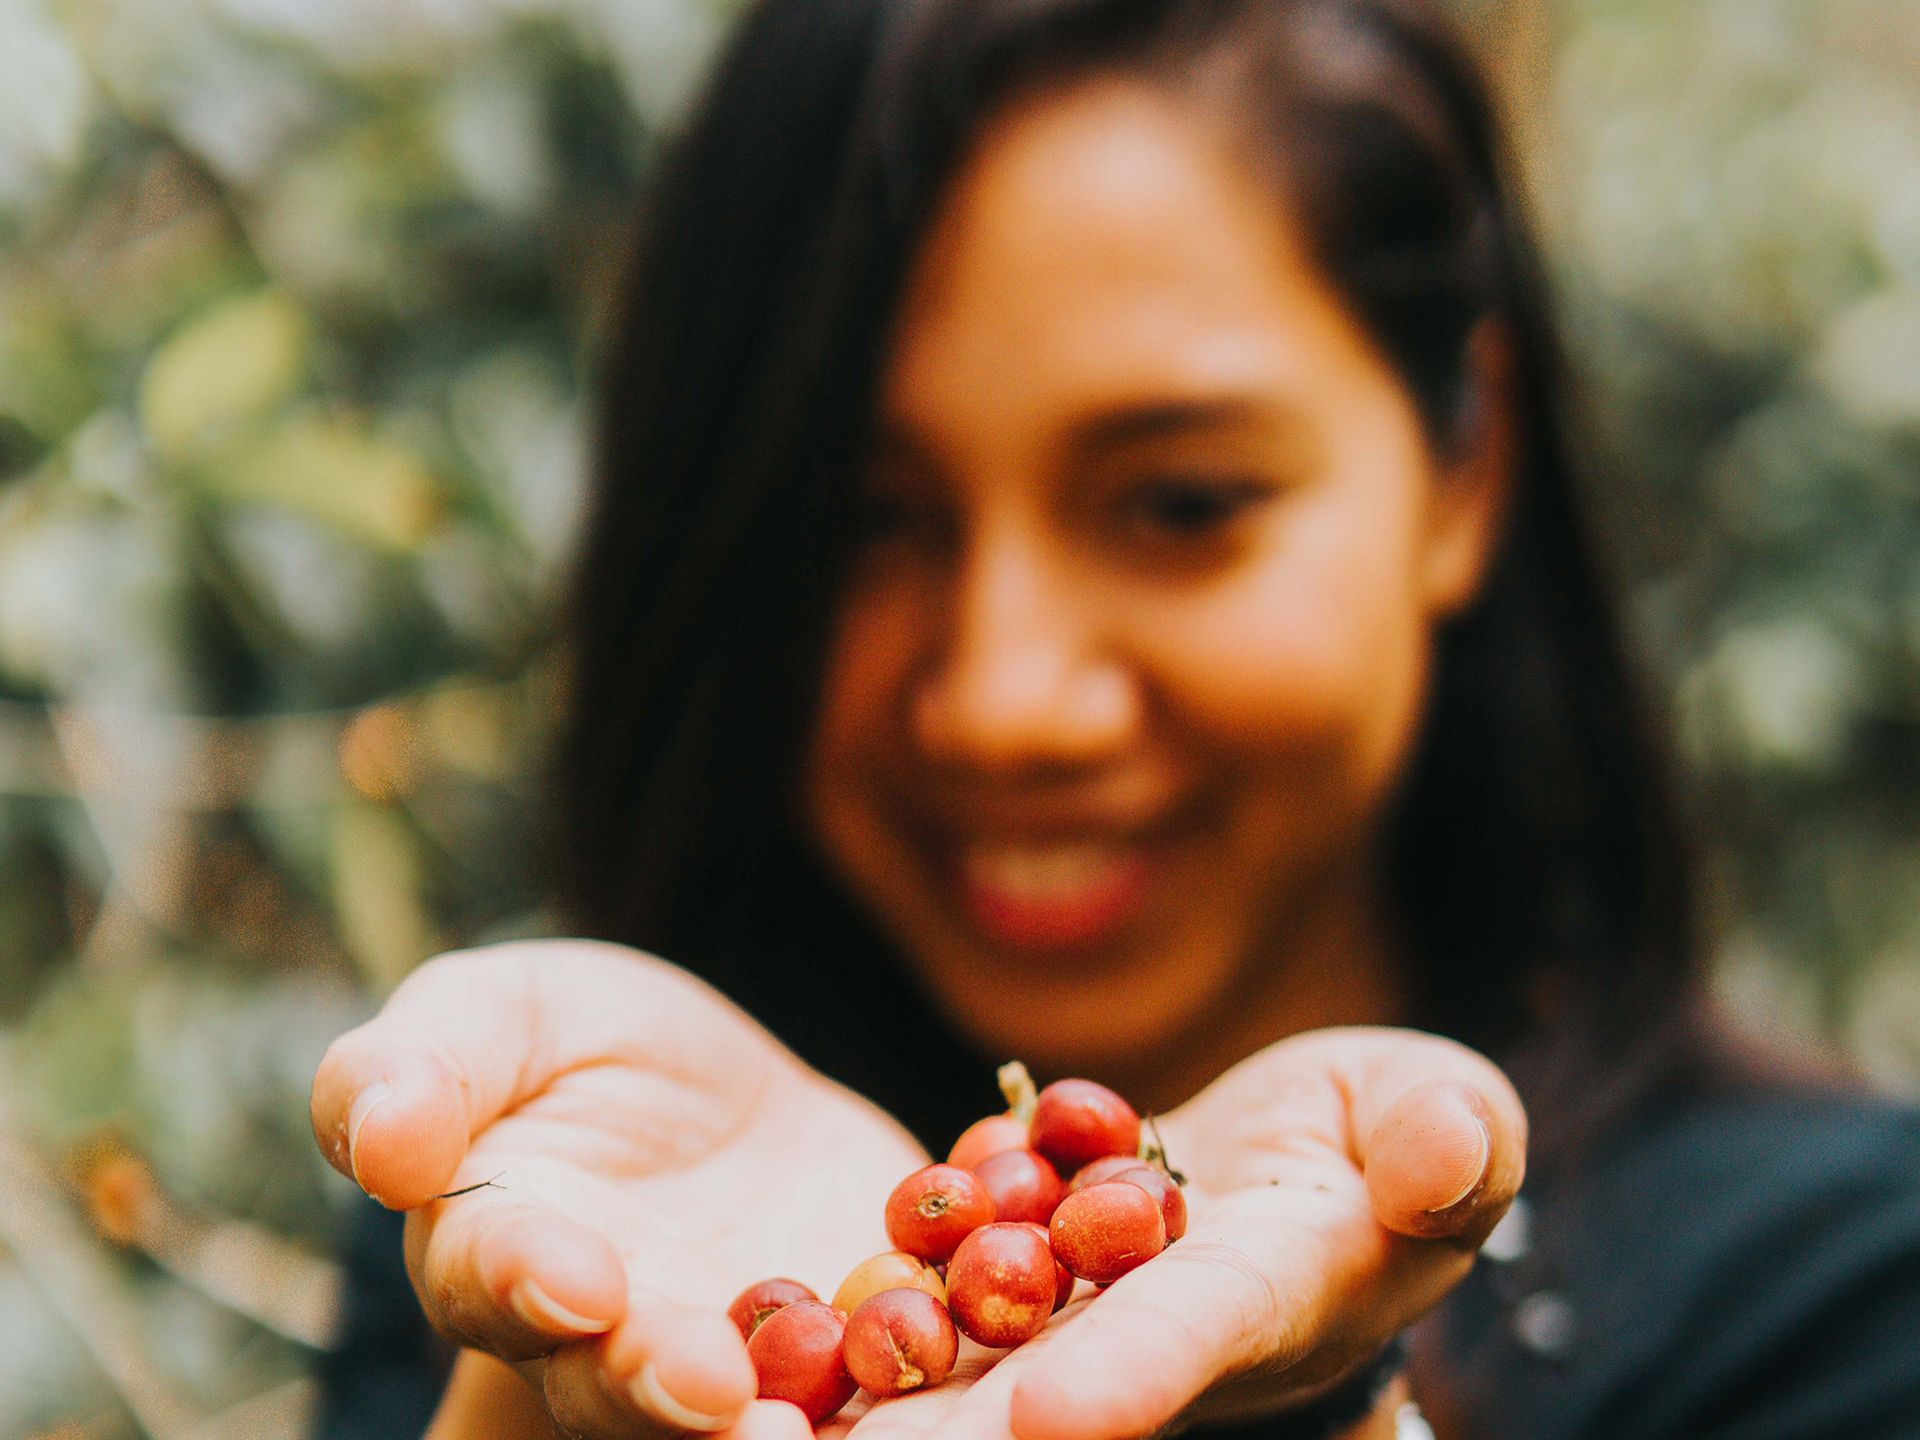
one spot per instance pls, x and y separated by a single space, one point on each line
1041 874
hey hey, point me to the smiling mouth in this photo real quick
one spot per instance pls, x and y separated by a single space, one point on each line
1052 895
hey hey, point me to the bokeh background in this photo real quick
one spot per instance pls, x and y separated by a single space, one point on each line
295 303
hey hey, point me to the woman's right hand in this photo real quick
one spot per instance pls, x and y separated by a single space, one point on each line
652 1151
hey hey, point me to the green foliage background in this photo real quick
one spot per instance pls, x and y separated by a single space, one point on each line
294 296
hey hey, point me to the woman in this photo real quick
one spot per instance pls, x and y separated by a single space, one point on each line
1084 569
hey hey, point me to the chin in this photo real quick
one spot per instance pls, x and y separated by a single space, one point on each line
1072 1022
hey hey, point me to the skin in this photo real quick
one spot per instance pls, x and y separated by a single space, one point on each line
1161 550
1340 1182
1039 648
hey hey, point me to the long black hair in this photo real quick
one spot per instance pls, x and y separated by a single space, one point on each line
1535 865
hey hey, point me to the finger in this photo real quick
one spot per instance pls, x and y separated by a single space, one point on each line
683 1363
1276 1296
970 1404
396 1101
1429 1159
1157 1338
479 1385
472 1035
510 1278
771 1420
1443 1136
672 1368
581 1404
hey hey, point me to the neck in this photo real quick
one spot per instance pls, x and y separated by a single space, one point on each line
1332 963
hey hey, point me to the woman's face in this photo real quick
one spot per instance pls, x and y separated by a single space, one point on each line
1137 645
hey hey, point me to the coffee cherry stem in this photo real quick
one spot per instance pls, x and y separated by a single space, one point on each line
1154 1152
1017 1086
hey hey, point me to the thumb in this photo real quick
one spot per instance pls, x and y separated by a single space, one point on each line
397 1101
1254 1290
1436 1166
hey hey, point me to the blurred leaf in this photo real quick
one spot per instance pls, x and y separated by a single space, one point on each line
48 381
45 99
233 364
332 469
1870 361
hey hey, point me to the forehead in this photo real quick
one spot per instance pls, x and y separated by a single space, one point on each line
1102 246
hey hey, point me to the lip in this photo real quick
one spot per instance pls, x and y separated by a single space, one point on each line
1055 894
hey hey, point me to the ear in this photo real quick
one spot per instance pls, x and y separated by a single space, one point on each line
1474 479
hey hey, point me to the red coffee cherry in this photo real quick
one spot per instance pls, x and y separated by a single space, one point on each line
1103 1231
1105 1168
900 1340
1062 1277
797 1355
755 1303
934 1209
1160 1185
987 1137
1023 1185
1077 1121
1002 1284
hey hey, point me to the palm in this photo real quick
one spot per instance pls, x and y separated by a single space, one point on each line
1266 1151
695 1144
1314 1168
597 1152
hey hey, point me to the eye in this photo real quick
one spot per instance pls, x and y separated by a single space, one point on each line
1192 507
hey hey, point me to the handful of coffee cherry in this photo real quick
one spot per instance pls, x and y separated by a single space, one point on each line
987 1245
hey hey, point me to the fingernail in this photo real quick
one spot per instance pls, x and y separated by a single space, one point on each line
1477 1171
652 1397
541 1311
364 1104
338 1154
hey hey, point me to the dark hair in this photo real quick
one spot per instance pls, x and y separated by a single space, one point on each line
1535 866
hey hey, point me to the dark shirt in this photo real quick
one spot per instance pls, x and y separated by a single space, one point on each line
1735 1267
383 1380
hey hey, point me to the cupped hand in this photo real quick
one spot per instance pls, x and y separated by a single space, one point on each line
652 1151
1340 1183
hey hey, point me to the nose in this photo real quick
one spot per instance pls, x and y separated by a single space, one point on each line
1025 678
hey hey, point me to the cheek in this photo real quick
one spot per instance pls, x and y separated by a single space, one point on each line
1320 650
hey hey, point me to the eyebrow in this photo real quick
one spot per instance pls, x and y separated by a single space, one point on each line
1122 426
1119 426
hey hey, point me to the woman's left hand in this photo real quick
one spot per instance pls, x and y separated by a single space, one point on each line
1340 1183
